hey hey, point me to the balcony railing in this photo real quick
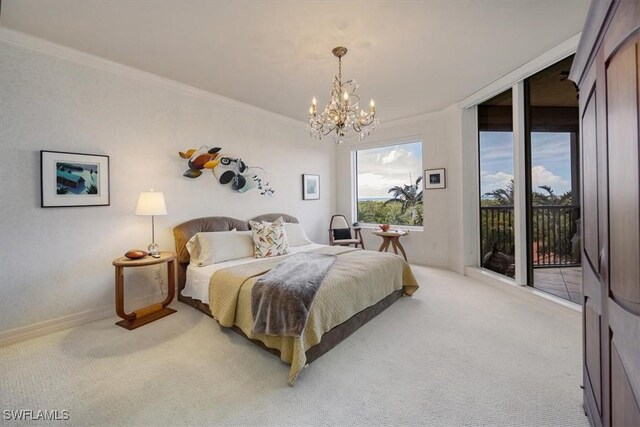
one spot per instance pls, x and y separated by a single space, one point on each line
555 234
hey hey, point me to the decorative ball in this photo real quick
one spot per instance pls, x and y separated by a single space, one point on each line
136 254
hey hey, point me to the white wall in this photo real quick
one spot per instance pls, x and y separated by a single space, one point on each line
57 262
441 240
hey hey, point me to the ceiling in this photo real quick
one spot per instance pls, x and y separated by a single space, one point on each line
411 57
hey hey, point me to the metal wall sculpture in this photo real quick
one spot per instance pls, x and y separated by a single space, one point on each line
228 170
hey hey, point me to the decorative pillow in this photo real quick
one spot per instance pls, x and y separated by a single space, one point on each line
269 239
296 235
341 233
219 246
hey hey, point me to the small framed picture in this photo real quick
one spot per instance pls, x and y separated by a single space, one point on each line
73 179
434 178
310 187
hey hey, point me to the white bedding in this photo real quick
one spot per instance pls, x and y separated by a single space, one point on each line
197 283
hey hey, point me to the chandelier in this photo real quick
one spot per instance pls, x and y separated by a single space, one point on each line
342 117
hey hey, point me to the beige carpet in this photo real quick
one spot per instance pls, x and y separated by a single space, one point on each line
457 353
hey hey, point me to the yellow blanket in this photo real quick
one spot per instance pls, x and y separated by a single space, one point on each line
357 280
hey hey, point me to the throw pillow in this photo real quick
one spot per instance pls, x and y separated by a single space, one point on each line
341 233
269 239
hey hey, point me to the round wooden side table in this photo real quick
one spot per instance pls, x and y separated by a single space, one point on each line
391 238
152 312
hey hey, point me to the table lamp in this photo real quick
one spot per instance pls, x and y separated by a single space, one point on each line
151 203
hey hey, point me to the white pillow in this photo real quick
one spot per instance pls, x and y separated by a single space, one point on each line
219 246
296 235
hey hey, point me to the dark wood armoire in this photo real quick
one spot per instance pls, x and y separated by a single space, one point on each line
607 71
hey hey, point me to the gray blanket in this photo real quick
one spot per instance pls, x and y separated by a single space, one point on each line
281 299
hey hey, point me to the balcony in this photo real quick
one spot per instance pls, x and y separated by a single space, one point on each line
555 248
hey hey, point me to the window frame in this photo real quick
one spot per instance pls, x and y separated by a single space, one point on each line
354 177
514 80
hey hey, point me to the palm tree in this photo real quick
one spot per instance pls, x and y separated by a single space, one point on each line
502 196
410 196
549 197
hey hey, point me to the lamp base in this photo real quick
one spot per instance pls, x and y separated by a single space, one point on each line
154 250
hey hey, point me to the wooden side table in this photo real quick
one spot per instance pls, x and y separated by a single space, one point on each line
391 238
150 313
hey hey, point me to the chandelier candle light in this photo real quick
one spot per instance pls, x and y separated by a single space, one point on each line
341 118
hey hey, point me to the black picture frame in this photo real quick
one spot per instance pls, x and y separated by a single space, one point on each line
70 179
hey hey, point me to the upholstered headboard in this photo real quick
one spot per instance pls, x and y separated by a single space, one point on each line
185 231
273 216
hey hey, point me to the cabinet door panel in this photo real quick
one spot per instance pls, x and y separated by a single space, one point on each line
590 183
624 404
592 352
625 338
624 176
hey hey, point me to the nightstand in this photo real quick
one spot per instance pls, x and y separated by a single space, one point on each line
150 313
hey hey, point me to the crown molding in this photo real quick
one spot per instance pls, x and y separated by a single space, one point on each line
47 47
420 117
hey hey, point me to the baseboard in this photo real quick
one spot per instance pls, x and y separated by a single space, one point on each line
523 292
24 333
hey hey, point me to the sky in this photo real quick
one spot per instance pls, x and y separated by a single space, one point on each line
550 159
382 168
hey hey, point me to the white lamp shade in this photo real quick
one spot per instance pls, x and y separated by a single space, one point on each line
151 203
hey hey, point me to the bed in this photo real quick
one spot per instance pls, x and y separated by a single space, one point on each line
360 286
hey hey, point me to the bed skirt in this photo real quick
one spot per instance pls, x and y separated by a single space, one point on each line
329 339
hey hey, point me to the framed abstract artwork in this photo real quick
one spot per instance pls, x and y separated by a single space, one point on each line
73 179
434 179
310 187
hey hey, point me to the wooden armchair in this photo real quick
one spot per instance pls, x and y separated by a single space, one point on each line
340 233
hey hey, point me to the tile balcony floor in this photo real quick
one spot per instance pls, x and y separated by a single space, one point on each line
564 282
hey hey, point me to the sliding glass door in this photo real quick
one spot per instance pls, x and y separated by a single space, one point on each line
495 136
553 199
529 183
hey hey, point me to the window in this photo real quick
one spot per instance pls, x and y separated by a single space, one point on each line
389 184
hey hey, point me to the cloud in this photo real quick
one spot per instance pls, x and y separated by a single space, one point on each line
382 168
541 176
392 156
495 181
375 185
